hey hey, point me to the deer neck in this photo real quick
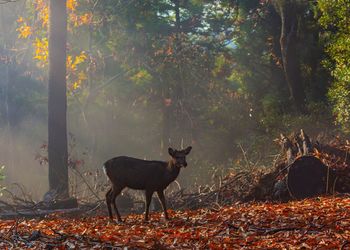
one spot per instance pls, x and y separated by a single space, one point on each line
172 170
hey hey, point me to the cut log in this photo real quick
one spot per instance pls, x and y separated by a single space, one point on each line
308 177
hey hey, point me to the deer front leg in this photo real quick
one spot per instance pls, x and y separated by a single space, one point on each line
108 202
115 192
162 201
148 202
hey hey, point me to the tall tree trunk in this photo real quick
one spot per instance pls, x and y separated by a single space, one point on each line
288 43
178 94
57 104
7 58
166 121
177 16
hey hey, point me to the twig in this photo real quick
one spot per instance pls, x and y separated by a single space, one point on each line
7 1
273 230
87 184
86 239
244 155
345 244
95 208
16 199
13 208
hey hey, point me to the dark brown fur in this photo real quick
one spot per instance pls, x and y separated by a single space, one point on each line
151 176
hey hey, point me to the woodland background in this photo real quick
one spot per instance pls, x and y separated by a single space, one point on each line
226 77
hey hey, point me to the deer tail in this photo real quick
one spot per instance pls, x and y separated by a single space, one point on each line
104 169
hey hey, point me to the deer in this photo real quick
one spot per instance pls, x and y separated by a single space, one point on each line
150 176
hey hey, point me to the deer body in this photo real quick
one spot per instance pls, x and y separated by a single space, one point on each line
141 174
151 176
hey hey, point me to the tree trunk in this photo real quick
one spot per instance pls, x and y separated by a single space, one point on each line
57 103
178 90
166 122
308 177
288 43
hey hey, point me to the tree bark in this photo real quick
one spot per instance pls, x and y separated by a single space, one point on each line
178 90
308 177
166 122
57 99
177 16
288 43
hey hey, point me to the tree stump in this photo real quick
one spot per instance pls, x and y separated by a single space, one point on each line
308 177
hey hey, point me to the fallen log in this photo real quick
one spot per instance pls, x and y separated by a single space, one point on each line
38 213
308 177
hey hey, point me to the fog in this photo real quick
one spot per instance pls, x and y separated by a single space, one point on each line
138 93
18 149
98 135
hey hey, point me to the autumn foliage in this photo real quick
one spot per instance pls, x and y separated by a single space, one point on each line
35 30
322 222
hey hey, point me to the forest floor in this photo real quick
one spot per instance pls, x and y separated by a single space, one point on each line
315 223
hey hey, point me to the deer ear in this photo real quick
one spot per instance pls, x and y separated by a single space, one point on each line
188 150
171 151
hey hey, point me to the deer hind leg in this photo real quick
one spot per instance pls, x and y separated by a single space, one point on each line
148 202
162 201
116 190
109 201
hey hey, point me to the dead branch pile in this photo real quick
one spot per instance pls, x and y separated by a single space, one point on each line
325 166
234 187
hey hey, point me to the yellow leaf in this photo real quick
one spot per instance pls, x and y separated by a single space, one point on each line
41 53
71 4
24 31
85 19
75 85
42 9
20 19
80 58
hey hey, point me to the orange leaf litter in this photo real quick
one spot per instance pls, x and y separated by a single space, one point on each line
317 223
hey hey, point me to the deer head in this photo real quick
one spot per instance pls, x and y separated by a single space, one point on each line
179 157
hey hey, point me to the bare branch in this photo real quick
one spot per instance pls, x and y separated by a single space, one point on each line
7 1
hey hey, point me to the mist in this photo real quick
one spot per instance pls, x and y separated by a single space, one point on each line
234 114
136 89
